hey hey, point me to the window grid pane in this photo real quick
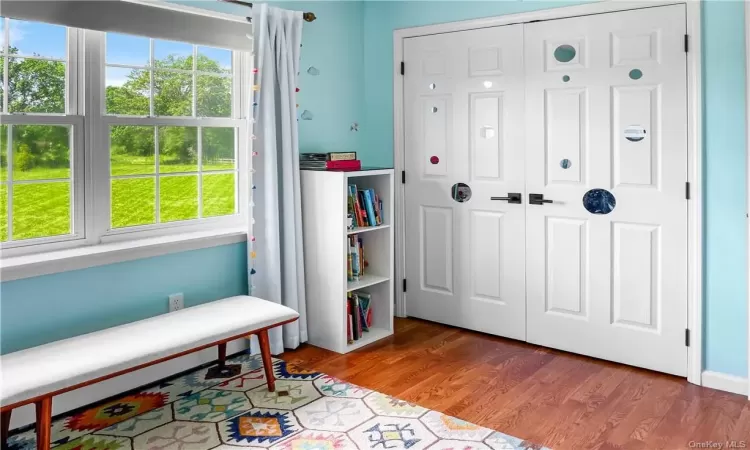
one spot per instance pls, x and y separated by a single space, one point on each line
33 67
187 183
36 184
179 80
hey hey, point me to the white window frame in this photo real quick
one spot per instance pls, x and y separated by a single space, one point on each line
71 117
90 173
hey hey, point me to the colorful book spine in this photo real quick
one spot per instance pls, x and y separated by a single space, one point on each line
341 156
362 261
344 165
370 208
349 336
354 249
349 271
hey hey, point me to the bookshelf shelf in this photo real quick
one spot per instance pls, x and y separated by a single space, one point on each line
375 334
326 247
365 281
366 229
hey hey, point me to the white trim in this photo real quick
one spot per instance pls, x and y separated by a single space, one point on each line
747 171
695 204
156 19
98 255
724 382
399 225
695 148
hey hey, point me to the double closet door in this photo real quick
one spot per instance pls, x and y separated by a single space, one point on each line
545 197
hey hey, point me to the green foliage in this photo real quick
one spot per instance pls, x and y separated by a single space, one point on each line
39 86
35 85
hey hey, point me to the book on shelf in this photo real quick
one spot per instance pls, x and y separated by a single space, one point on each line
349 334
359 315
355 259
365 206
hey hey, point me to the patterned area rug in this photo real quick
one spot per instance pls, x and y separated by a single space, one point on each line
232 408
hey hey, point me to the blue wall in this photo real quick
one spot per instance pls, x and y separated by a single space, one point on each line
333 44
725 245
725 297
35 311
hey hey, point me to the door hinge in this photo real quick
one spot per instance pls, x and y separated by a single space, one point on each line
687 190
404 285
403 177
402 67
687 337
687 41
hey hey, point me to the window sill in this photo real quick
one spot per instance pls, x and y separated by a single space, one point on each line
35 265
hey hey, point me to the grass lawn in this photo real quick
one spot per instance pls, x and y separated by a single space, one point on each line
43 209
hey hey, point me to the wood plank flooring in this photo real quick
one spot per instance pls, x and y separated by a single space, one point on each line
552 398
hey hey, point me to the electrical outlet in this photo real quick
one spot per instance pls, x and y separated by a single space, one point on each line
176 302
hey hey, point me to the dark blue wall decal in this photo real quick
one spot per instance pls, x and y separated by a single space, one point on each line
461 192
599 201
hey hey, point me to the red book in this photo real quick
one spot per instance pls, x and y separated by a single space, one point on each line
354 164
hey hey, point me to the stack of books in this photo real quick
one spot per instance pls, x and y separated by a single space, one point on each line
329 161
365 207
359 315
355 261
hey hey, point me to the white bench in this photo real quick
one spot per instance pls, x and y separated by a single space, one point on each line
37 374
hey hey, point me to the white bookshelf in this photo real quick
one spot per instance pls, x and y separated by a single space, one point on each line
324 209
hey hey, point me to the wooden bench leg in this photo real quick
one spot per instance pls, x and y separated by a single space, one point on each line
43 423
222 354
4 428
265 354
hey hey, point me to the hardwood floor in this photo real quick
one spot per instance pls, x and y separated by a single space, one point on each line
553 398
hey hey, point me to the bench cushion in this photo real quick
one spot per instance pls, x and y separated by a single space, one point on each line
58 365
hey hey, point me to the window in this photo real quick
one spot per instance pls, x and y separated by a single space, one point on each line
163 122
172 139
39 134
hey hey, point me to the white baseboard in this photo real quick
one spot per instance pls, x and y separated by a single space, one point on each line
724 382
80 397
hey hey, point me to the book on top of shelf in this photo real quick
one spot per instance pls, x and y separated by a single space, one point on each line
342 156
330 156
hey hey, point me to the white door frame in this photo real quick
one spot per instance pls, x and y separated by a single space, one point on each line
747 174
695 148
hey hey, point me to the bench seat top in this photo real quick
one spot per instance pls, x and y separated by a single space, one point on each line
63 364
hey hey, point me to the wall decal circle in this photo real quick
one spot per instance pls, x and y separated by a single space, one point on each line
635 74
434 159
634 133
565 163
565 53
461 192
599 201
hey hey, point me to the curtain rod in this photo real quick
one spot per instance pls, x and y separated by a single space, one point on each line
307 17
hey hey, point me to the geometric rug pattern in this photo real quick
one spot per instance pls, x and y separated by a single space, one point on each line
232 409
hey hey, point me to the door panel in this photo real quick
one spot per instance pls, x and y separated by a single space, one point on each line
608 93
463 94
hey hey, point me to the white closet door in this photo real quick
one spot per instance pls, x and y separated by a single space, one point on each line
463 106
606 109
